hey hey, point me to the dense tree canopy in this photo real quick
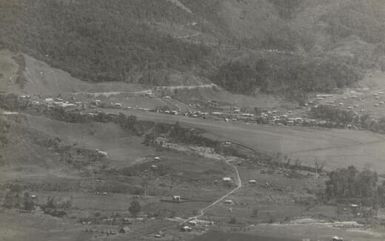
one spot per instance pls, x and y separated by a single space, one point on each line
290 74
352 184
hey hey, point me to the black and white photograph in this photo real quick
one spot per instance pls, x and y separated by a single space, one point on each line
192 120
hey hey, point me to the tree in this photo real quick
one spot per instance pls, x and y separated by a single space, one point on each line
255 212
134 208
381 194
350 183
4 126
319 166
28 203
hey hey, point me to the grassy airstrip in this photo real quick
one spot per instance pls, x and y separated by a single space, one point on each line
337 147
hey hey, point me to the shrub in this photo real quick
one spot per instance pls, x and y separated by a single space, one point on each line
233 220
134 208
56 208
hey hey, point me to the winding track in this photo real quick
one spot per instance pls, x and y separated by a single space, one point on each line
239 186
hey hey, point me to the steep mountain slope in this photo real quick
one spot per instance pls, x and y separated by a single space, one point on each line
98 41
150 42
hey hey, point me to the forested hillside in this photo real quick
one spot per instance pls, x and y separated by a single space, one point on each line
98 40
275 46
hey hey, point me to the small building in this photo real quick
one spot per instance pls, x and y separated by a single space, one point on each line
157 158
217 113
186 228
229 202
226 179
102 153
176 198
336 238
117 105
252 181
193 222
124 229
247 115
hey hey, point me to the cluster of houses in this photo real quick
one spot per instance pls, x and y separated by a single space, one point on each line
272 117
108 232
189 225
59 102
276 118
51 102
351 101
166 110
72 104
196 114
227 116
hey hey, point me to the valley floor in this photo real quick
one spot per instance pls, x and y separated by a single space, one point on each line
124 151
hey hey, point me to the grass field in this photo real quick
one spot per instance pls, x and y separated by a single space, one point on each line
318 231
284 232
121 145
16 226
219 236
39 169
